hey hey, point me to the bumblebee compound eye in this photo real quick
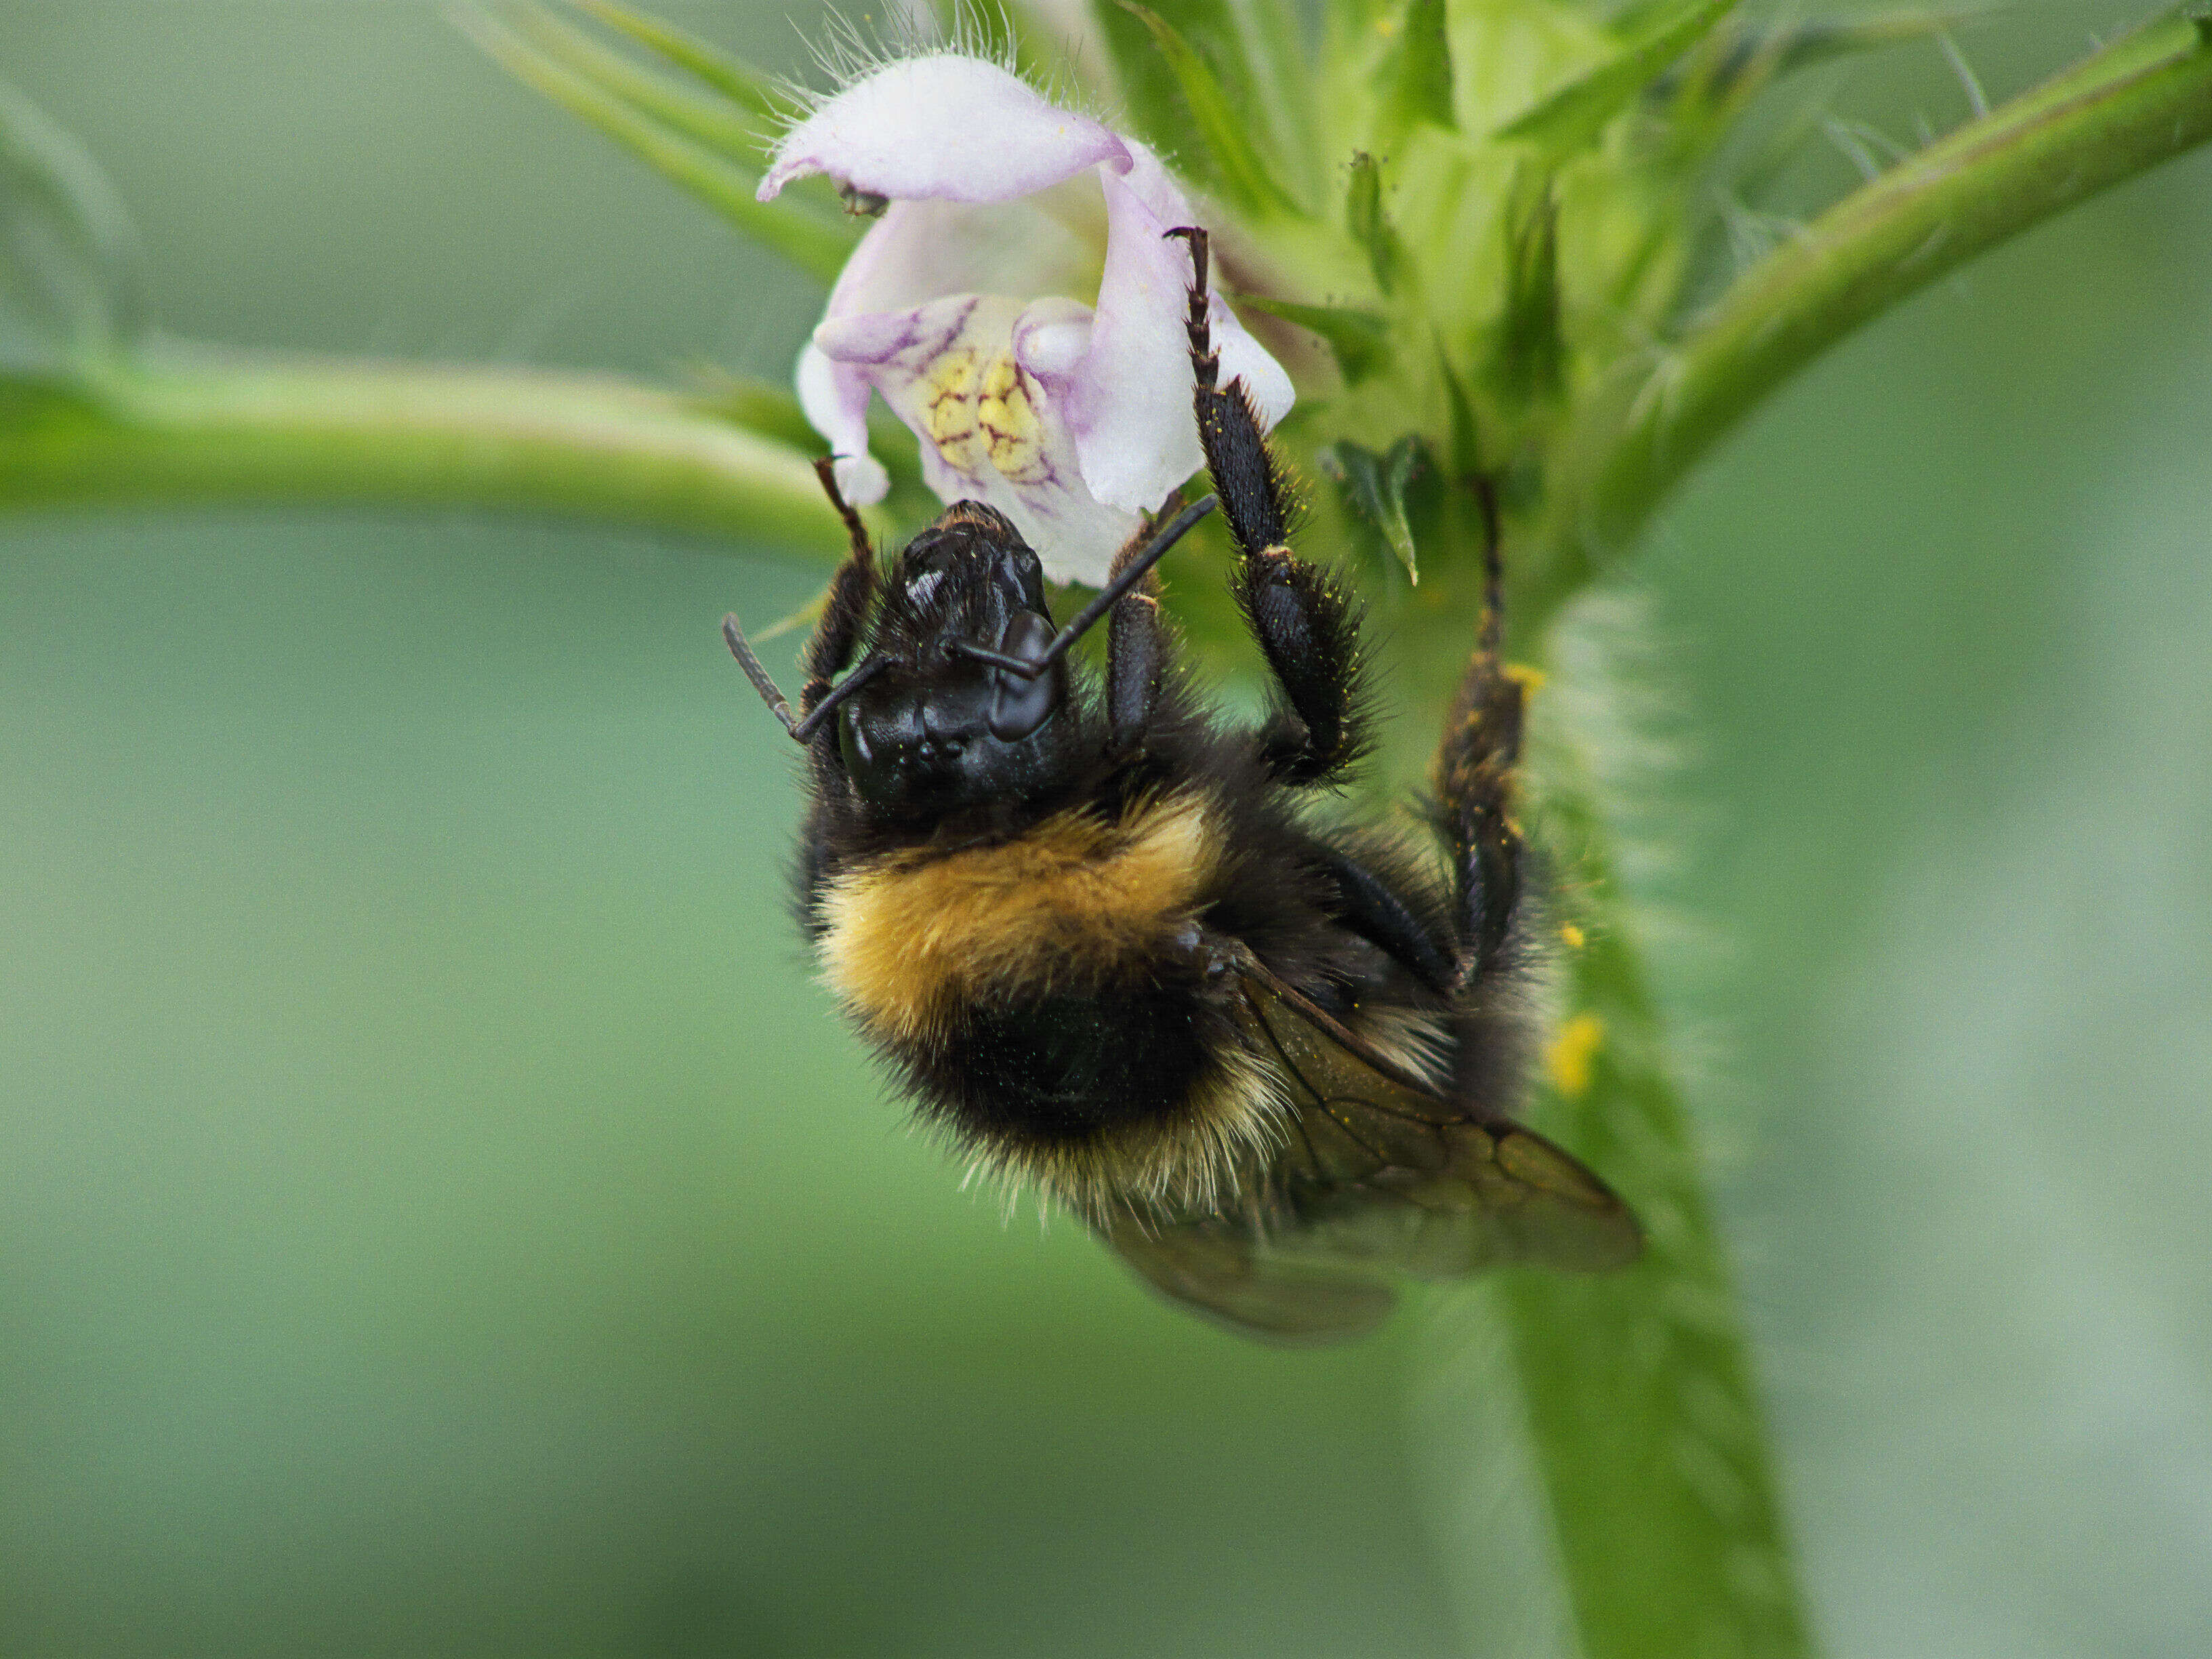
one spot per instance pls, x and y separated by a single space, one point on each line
1020 705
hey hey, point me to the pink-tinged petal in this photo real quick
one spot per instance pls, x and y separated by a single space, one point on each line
835 400
942 127
1129 400
1243 358
923 250
990 426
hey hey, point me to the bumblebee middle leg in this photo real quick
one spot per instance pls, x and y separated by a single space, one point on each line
1306 625
1137 648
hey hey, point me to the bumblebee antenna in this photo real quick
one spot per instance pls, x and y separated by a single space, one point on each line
1130 574
805 727
763 682
811 721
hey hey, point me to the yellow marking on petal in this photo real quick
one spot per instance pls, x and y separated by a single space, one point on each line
1568 1061
949 405
1016 436
1573 935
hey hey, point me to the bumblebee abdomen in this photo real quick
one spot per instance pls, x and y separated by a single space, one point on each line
1045 1000
1071 1069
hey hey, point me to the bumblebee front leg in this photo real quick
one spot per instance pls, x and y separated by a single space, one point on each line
845 609
1304 622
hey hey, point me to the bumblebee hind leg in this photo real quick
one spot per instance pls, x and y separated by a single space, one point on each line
1306 623
1476 774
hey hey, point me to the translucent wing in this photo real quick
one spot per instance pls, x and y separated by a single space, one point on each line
1380 1176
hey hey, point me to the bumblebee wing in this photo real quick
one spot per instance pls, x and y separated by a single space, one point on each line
1379 1167
1379 1175
1217 1268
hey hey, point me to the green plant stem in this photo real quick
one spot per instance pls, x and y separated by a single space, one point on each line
1648 1447
1639 1393
236 429
1642 1397
2139 102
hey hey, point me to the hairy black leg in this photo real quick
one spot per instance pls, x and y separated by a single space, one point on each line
1136 649
1475 777
1306 624
845 611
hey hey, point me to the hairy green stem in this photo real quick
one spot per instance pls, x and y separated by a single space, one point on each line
1643 1401
2139 102
1637 1391
228 429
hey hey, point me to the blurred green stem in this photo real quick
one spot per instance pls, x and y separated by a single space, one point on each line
232 428
2141 100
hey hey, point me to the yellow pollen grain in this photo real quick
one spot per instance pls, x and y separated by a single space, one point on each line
1530 680
1568 1061
1574 936
951 402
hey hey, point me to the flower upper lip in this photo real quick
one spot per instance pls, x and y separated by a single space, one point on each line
958 306
1009 141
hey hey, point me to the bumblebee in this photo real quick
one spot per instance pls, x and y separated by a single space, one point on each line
1099 938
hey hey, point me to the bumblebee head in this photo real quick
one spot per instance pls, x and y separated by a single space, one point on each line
951 719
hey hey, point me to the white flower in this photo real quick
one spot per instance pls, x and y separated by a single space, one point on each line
1070 419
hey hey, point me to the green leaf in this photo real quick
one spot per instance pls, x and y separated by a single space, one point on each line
1419 69
1375 486
1466 454
1753 56
739 82
1578 112
740 135
815 246
1528 359
1255 50
1359 340
71 288
1369 222
1226 133
1278 77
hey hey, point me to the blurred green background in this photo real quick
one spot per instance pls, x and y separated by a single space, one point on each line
440 1215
